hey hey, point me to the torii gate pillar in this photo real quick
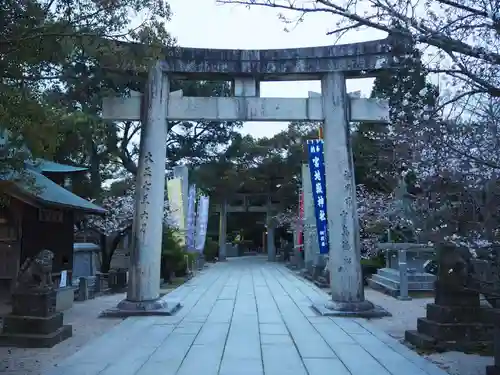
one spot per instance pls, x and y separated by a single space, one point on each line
143 295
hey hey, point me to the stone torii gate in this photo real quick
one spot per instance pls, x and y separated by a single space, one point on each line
246 69
268 208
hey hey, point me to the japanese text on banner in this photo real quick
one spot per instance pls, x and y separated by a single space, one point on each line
318 183
190 241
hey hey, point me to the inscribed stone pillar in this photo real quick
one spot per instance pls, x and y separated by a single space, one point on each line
222 230
145 255
311 245
346 281
271 248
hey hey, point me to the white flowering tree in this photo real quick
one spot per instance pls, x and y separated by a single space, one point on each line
118 221
463 35
373 214
455 160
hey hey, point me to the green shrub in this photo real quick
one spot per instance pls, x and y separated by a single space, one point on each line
172 255
211 250
369 266
375 261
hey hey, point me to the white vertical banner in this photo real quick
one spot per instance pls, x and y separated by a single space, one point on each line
174 190
191 208
201 223
181 172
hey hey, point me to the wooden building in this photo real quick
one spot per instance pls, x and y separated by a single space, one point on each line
38 213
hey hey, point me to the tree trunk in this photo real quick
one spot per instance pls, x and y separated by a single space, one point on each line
107 254
94 170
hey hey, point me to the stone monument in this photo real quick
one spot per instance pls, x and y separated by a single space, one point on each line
404 271
34 321
456 319
246 69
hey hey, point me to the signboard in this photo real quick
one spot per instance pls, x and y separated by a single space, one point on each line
50 216
317 169
201 223
191 218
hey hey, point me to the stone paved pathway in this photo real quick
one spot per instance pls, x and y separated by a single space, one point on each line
248 317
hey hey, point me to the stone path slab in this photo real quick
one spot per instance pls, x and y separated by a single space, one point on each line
245 317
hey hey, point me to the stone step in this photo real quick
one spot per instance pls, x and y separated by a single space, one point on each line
451 314
425 342
417 286
382 288
420 340
455 331
418 277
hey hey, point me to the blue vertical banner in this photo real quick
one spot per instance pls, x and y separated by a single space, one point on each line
318 183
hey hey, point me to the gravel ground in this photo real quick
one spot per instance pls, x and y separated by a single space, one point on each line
404 317
86 326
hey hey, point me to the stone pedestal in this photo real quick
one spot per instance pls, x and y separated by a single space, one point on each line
34 321
321 276
126 308
455 321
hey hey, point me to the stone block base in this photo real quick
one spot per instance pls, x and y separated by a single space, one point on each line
28 325
36 340
456 321
455 331
426 342
127 308
322 282
364 309
317 271
34 303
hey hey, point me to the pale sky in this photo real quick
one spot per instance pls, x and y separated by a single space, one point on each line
206 24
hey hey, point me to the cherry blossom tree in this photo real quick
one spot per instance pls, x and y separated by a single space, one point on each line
463 35
118 221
